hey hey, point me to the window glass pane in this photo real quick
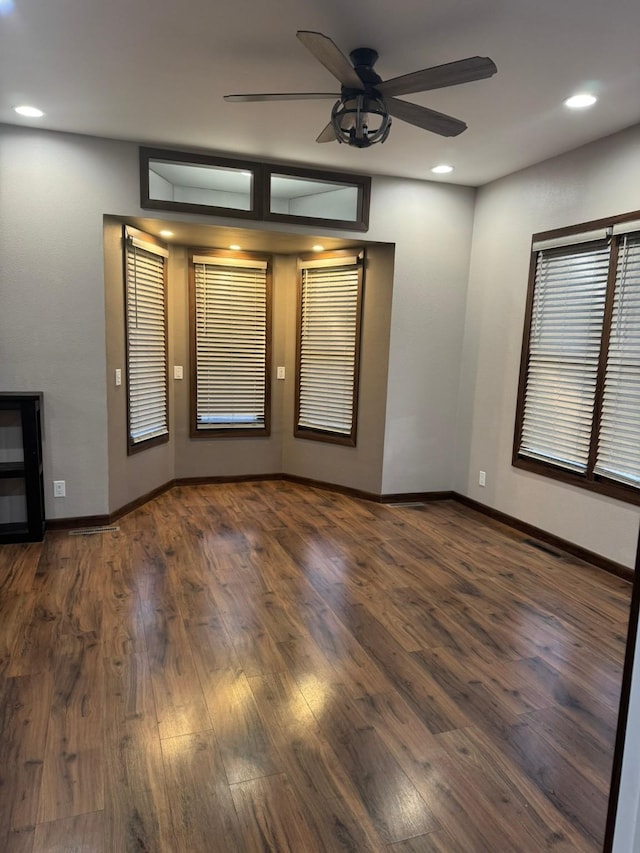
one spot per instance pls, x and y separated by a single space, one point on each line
619 441
213 186
564 350
146 343
231 334
328 338
313 198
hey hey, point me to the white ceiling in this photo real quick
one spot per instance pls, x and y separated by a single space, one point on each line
155 71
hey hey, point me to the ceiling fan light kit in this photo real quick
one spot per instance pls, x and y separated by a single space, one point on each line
360 120
361 115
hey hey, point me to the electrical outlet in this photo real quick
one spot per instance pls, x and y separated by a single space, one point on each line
482 479
178 372
118 376
280 373
59 489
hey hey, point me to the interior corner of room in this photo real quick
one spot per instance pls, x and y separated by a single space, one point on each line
444 303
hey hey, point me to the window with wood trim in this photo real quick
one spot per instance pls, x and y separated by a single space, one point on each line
578 416
145 260
328 346
230 343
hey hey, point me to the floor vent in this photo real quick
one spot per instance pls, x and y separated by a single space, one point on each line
89 531
409 504
542 547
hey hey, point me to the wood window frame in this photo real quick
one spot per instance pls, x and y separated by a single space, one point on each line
310 432
138 446
191 159
260 205
229 431
590 481
361 182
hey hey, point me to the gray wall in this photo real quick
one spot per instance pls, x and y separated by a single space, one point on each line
56 188
596 181
361 466
182 456
138 474
226 456
431 225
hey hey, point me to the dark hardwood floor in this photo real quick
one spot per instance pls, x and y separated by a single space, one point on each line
269 667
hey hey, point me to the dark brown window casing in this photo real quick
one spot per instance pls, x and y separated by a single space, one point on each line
619 238
218 353
153 418
260 176
328 358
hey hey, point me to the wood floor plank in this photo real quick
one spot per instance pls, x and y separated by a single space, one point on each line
271 818
19 841
179 700
24 720
507 793
81 834
356 667
429 701
15 609
401 729
18 566
240 610
73 771
202 810
585 751
136 807
435 842
82 610
477 749
391 800
268 666
122 624
247 749
460 809
572 794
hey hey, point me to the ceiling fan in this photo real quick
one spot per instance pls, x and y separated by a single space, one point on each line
362 114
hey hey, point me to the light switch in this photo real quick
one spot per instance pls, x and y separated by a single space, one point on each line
118 376
280 373
177 371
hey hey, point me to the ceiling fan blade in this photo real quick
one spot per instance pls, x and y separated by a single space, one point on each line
284 96
425 118
327 135
326 52
440 76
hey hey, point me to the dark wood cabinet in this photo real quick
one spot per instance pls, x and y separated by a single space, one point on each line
21 481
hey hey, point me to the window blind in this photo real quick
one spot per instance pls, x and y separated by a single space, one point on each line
230 343
564 346
328 342
618 455
146 341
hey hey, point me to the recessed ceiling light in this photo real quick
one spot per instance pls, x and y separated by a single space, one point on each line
580 101
234 247
317 248
30 112
166 233
443 169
